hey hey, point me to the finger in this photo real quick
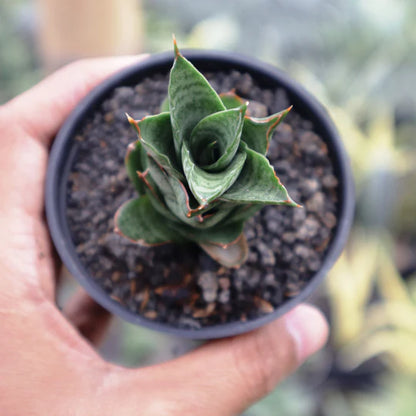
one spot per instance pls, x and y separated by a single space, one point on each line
87 316
227 376
42 109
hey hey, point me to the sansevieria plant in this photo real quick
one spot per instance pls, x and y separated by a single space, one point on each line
200 169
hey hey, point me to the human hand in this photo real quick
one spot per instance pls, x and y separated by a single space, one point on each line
48 364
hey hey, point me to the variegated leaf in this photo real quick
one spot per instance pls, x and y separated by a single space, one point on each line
207 186
257 183
165 105
224 235
191 98
136 161
138 221
176 197
155 135
215 139
231 100
258 131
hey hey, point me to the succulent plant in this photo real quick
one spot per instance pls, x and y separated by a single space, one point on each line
200 169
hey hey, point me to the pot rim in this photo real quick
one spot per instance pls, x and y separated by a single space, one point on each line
58 172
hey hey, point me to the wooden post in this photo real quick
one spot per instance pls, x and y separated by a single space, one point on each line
72 29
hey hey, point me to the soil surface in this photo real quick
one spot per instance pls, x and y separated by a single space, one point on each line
181 285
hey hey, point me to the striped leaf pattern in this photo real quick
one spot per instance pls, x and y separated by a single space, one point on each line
200 169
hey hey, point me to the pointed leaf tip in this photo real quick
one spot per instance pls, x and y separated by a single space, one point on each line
129 118
285 112
133 123
231 100
175 46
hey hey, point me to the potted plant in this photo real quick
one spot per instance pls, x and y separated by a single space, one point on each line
197 160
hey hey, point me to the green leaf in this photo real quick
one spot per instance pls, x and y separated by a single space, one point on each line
215 213
242 213
257 183
174 193
138 221
171 199
231 100
207 186
164 107
231 255
220 235
157 200
258 131
215 139
191 99
136 161
155 135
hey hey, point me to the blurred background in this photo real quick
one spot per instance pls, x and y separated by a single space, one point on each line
359 58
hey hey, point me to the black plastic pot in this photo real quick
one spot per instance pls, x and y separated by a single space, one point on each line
64 149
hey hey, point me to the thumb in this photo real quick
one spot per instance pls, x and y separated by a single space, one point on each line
42 109
225 377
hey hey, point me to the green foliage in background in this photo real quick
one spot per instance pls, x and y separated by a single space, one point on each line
363 43
18 60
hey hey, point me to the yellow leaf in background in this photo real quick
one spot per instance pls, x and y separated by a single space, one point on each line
396 347
364 328
350 285
389 281
382 150
387 314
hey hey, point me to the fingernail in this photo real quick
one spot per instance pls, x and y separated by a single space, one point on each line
308 328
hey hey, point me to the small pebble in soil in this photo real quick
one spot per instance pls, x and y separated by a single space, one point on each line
208 283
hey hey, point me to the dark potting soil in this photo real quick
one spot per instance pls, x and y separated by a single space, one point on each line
181 285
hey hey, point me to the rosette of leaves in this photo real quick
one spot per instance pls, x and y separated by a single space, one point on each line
200 169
